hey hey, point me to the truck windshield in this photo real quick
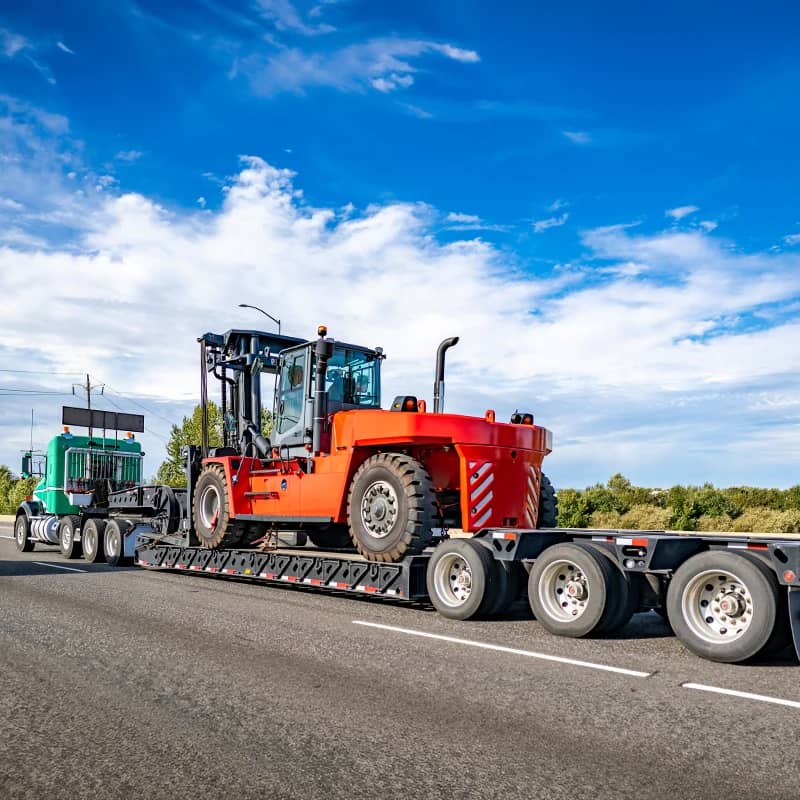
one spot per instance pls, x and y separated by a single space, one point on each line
353 379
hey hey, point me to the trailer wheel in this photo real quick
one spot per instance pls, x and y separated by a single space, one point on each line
390 507
114 543
92 540
213 525
574 590
66 537
723 606
22 533
548 505
461 578
333 537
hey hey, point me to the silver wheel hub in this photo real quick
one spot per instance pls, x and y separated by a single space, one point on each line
209 507
379 509
112 544
717 606
563 591
452 579
66 536
20 531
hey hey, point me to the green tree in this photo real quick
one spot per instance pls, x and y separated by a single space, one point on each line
189 431
6 486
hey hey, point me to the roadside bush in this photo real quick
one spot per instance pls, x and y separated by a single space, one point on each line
646 517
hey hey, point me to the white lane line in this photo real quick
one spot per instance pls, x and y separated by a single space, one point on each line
512 650
58 566
3 536
745 695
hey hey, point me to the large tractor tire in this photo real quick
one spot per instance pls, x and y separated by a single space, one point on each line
92 540
334 537
391 507
211 510
22 533
548 505
67 527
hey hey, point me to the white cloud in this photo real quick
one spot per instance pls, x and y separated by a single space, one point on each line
792 239
709 225
458 221
61 46
557 205
286 17
681 211
12 43
416 111
384 64
129 155
636 357
578 137
201 201
551 222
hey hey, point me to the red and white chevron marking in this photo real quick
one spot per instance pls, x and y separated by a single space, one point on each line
532 496
481 478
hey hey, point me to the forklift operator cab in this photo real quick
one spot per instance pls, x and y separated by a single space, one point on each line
352 380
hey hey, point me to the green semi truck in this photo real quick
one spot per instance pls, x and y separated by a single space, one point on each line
70 504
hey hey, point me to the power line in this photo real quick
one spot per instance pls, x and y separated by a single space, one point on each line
149 430
140 405
40 372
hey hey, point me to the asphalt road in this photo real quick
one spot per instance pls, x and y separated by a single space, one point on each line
129 683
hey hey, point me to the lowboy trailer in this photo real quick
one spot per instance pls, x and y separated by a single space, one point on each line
727 598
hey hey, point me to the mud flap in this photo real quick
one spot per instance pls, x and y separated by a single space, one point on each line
794 616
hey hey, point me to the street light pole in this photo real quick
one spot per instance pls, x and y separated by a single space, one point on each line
256 308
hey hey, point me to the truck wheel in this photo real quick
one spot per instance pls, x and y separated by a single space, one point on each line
548 505
334 537
723 606
66 537
461 578
390 507
22 534
574 590
114 543
213 525
92 540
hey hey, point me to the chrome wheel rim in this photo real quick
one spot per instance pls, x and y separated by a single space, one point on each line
452 578
112 544
717 606
88 542
564 591
20 531
210 504
66 537
379 509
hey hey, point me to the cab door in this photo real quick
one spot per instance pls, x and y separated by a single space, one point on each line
293 402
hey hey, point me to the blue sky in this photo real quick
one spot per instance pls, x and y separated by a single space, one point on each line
600 198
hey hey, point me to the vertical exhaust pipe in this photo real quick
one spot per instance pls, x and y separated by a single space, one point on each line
438 385
323 350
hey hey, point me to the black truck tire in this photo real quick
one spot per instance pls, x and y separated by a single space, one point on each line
67 527
333 537
390 507
462 579
576 591
92 540
211 510
114 542
548 505
22 533
723 606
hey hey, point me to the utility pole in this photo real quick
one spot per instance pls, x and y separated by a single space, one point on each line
87 387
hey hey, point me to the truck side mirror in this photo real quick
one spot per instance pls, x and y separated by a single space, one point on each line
26 465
